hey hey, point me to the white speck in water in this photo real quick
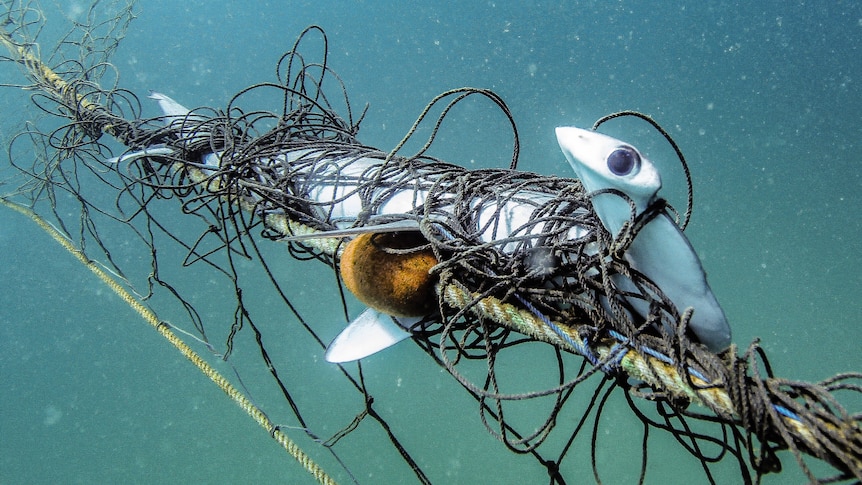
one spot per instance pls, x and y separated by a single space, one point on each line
52 415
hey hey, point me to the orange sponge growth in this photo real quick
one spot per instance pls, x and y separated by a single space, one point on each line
382 272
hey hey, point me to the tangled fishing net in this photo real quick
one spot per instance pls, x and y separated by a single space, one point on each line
294 175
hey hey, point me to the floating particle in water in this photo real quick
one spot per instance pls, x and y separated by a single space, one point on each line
52 415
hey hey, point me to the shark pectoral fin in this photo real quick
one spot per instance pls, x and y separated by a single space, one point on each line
371 332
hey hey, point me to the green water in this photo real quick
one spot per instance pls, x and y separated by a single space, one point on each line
764 99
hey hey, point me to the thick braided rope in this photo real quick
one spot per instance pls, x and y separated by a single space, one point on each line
646 368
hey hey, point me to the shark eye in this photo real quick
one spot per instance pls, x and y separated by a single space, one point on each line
623 161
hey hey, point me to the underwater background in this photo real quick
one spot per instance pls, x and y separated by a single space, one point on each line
763 98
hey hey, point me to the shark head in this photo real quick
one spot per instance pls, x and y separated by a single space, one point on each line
660 250
602 162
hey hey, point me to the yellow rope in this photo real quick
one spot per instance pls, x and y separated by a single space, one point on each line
639 366
163 328
48 80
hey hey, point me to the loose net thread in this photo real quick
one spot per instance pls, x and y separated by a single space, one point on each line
533 280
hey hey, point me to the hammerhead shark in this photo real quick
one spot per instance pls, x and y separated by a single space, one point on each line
606 167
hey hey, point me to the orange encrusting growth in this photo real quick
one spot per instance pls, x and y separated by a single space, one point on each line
395 282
